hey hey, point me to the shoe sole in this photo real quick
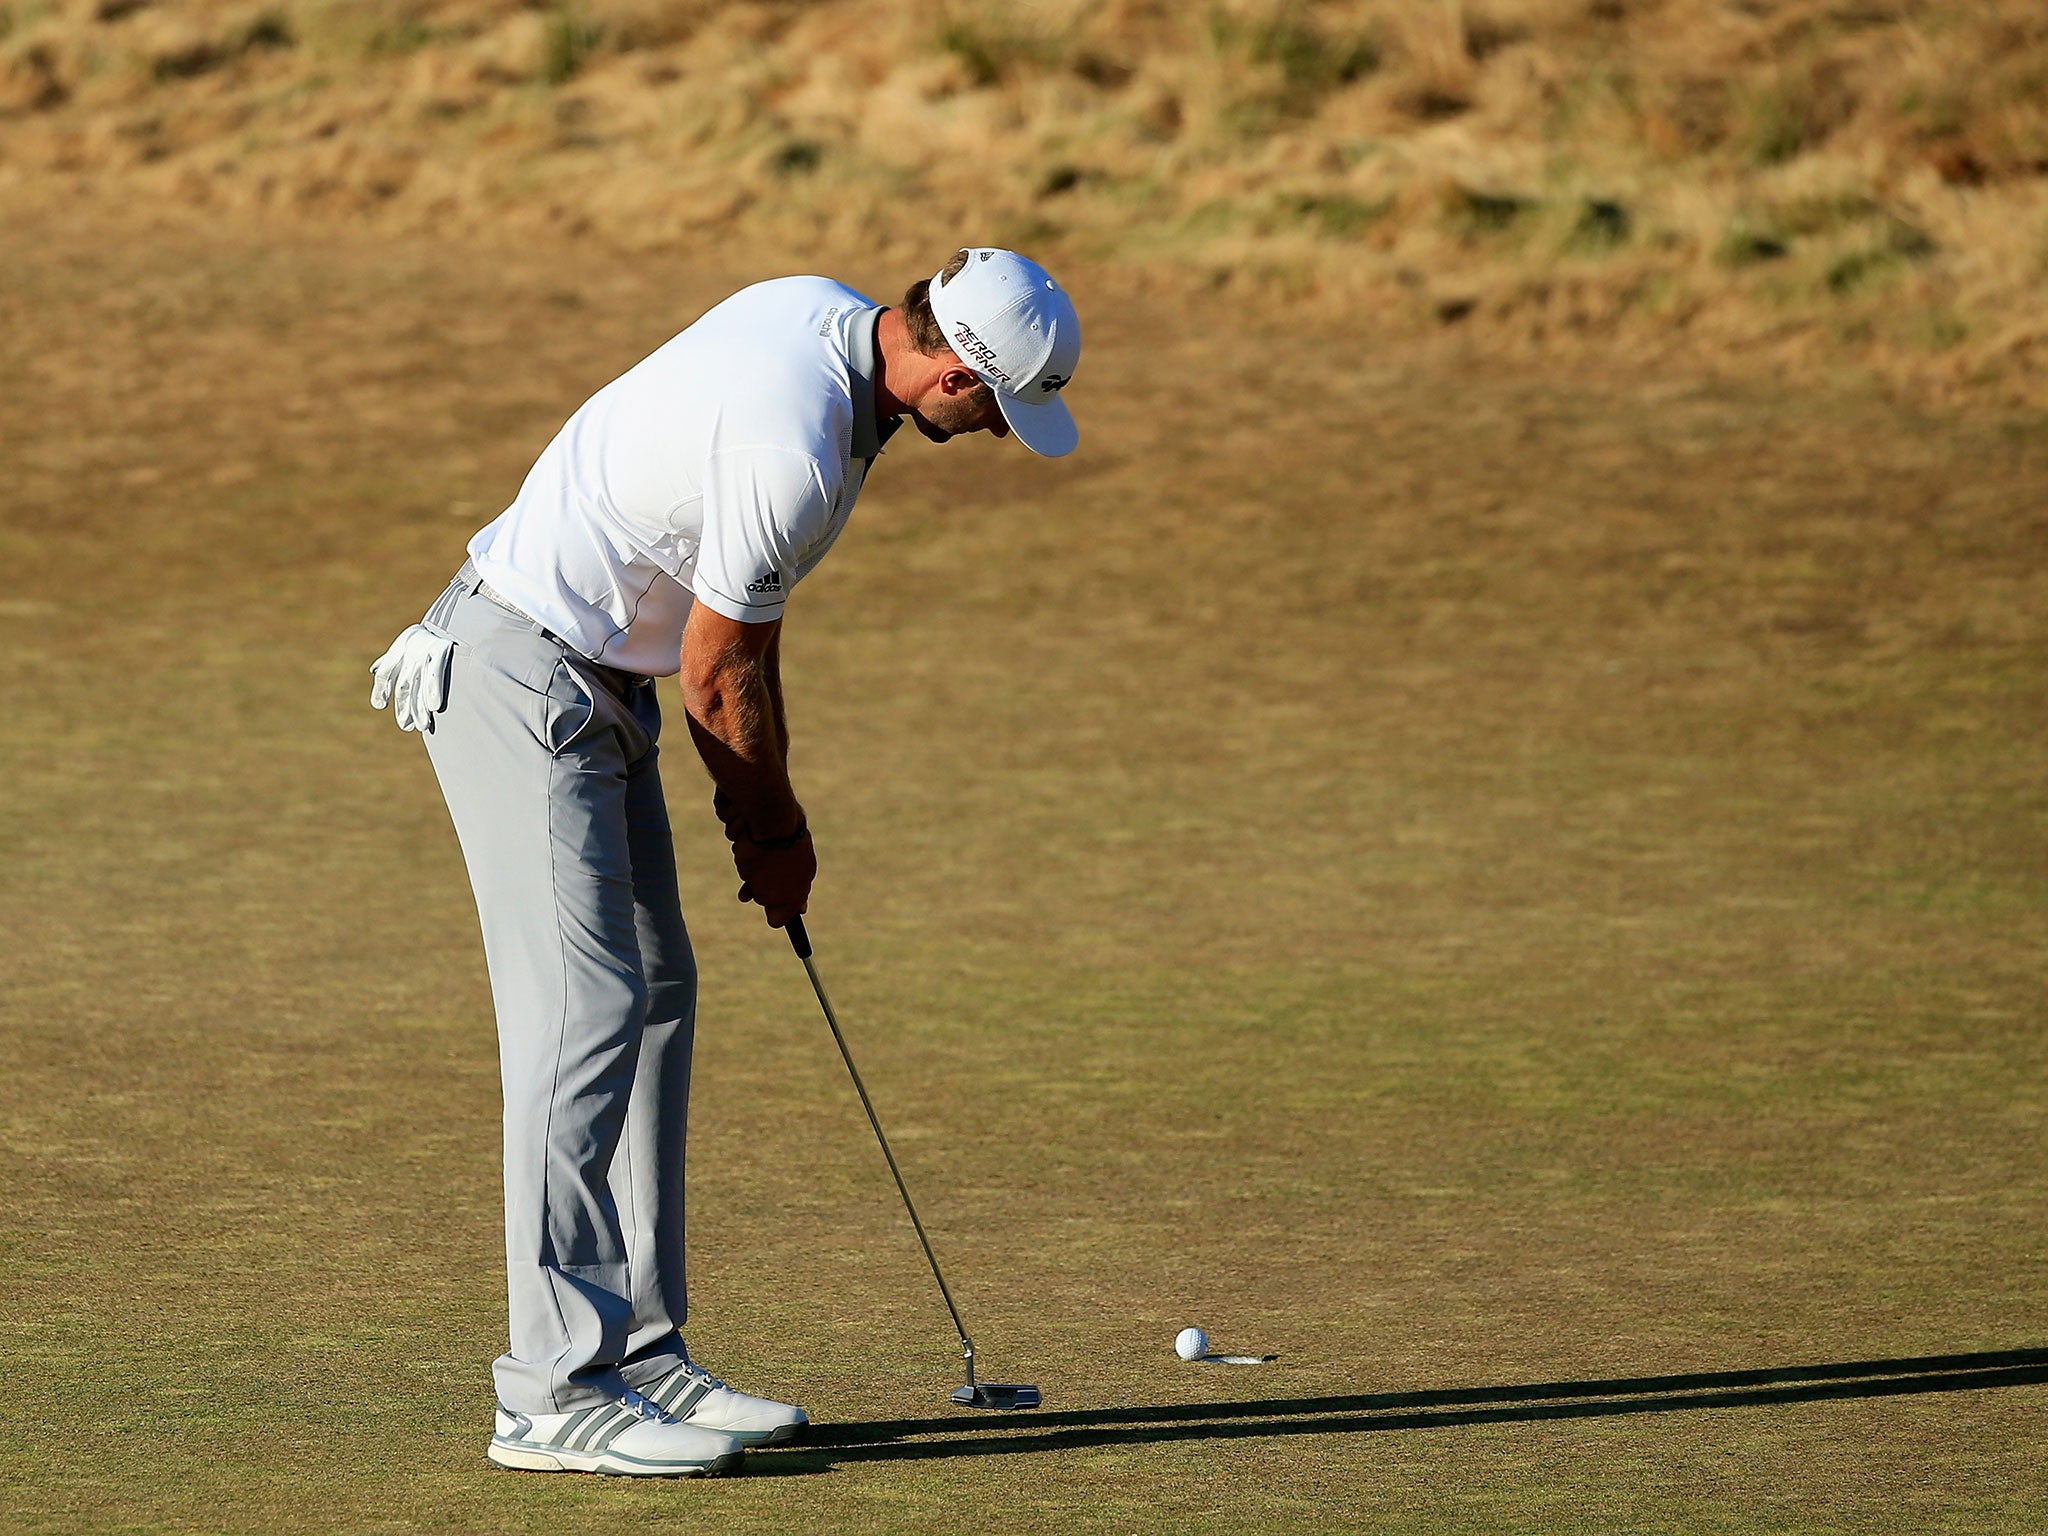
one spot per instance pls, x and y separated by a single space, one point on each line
782 1434
530 1458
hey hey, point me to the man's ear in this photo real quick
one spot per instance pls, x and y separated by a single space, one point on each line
959 381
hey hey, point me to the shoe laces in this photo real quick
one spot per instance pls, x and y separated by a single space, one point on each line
633 1402
694 1369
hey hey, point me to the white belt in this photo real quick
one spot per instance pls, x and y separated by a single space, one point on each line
508 605
617 676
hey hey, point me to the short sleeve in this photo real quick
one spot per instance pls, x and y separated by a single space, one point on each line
763 508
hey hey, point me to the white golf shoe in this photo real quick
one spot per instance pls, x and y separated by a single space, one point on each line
698 1398
627 1437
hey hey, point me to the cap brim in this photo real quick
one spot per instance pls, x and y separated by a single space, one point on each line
1044 426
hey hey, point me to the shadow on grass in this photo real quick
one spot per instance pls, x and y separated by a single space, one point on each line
1020 1433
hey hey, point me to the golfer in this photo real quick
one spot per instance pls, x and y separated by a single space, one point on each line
660 534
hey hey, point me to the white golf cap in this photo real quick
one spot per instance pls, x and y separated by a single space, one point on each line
1016 328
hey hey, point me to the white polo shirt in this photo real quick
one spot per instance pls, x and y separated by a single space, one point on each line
718 470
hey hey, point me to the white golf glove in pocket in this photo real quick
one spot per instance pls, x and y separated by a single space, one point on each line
412 677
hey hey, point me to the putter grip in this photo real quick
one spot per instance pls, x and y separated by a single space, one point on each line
799 940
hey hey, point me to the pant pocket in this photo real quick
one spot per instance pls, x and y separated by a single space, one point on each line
572 708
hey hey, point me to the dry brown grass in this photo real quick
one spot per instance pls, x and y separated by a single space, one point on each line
1806 183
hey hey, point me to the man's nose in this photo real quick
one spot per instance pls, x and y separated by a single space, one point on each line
1000 427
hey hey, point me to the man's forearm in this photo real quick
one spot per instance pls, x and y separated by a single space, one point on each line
734 709
771 675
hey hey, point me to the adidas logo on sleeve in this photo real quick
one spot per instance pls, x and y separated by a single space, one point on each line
772 582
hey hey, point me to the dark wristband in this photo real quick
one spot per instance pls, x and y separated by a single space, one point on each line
781 844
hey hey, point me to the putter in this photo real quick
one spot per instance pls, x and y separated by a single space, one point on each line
976 1394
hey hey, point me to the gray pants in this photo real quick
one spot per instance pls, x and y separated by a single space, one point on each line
548 764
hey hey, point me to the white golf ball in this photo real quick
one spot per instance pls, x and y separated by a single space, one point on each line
1191 1344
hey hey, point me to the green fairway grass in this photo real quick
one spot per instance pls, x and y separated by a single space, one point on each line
1521 893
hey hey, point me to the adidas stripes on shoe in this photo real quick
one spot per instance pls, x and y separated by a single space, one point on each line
627 1437
697 1397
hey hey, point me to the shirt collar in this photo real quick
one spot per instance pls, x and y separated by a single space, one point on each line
869 433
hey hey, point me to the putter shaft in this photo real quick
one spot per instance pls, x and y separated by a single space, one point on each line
800 941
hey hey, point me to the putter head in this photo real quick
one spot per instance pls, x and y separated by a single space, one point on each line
986 1395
